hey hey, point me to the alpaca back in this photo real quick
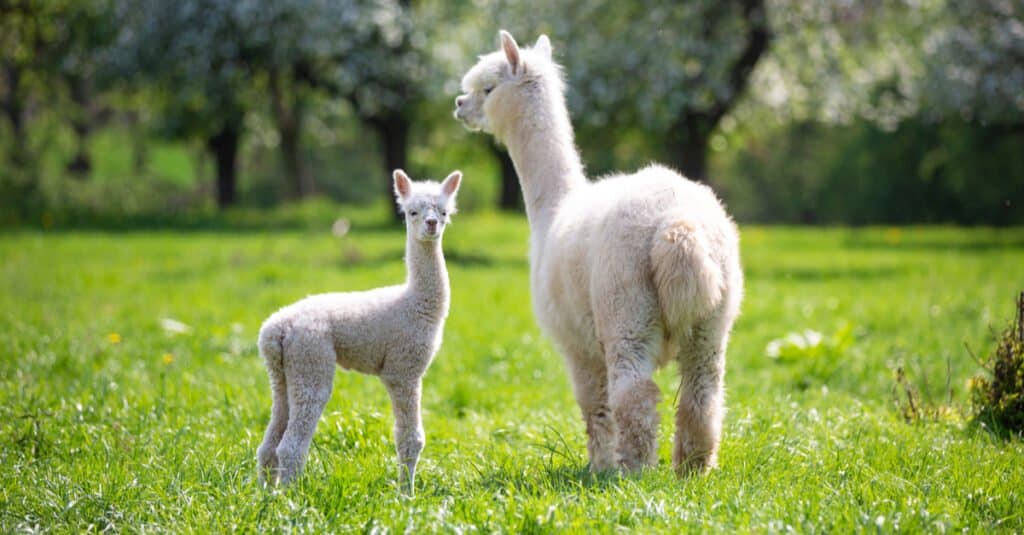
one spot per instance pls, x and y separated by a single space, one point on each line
670 230
362 327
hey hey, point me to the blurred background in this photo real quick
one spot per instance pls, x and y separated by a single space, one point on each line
158 112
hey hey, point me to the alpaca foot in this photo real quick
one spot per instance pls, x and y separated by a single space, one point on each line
266 461
688 464
601 441
289 466
636 421
407 477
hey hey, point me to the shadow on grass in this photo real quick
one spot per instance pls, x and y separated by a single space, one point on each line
982 240
352 256
563 478
210 226
805 274
475 259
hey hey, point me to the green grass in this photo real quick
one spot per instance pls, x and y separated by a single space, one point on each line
109 421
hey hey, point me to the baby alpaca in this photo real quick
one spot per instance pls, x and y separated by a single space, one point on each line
627 273
391 332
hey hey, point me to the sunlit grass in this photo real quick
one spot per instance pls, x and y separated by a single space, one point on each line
132 395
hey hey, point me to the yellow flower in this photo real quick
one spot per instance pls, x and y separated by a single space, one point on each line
114 338
167 358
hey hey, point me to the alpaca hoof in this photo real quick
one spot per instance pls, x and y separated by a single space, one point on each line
633 466
407 479
695 465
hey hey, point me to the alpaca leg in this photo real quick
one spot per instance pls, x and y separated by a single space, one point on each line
590 384
626 317
634 398
700 412
310 380
266 455
409 435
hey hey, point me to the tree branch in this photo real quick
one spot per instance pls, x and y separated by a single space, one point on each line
758 38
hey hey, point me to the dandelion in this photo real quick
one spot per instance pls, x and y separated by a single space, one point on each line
114 338
167 358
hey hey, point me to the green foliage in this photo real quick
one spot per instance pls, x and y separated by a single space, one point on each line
811 356
860 112
952 171
999 399
973 62
915 402
113 417
668 58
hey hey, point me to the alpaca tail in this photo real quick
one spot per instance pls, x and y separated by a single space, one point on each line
690 283
271 344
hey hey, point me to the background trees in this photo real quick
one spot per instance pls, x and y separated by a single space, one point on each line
190 57
881 110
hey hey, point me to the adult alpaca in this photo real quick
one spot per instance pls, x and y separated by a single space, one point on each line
627 273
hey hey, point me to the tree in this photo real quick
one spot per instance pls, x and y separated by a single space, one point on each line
974 62
295 47
382 75
213 57
25 35
676 82
187 53
367 52
50 60
886 110
85 29
510 199
52 52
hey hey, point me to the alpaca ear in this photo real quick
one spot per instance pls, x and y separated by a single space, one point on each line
403 184
451 184
543 46
508 44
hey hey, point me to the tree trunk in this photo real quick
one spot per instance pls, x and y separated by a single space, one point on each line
393 132
295 168
288 116
224 146
14 110
687 143
81 123
687 140
139 143
511 199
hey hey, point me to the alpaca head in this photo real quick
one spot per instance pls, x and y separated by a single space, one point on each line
504 83
428 206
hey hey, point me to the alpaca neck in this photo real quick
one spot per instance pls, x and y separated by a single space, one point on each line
428 275
541 146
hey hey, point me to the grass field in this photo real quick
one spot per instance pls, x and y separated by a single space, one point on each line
112 418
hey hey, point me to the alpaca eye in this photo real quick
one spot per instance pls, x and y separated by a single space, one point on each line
443 213
414 213
487 91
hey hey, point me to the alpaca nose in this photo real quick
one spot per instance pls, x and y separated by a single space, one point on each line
459 100
431 224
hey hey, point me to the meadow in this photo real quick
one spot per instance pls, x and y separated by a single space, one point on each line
132 396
